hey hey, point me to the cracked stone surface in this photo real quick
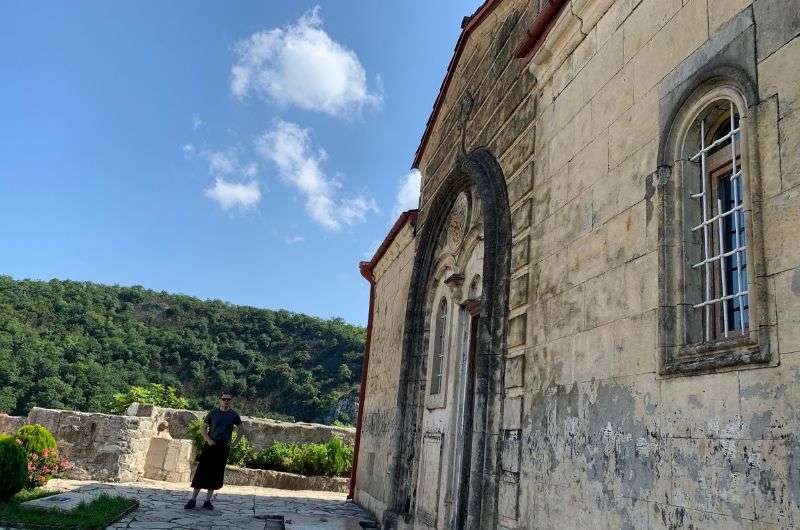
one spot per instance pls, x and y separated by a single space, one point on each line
236 507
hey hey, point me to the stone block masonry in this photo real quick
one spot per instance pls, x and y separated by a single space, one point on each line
606 412
125 448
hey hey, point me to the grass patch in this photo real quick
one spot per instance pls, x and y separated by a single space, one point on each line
96 515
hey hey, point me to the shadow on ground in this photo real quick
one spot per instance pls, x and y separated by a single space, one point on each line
236 507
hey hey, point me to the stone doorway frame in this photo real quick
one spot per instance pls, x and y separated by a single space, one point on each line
478 168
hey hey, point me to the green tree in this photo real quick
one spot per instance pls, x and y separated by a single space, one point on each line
74 345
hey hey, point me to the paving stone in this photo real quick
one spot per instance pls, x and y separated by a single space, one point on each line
236 507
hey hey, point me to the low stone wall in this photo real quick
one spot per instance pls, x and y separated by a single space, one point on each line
101 446
265 478
11 424
126 448
260 432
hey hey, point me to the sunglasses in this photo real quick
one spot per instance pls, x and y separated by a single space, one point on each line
225 399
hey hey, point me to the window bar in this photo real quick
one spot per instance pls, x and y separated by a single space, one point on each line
716 300
726 213
705 226
722 274
736 175
711 147
715 257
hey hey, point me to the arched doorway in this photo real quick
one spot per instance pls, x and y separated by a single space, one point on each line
453 352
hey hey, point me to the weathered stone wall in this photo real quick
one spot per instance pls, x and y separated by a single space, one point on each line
380 414
125 448
267 478
101 446
169 460
260 432
592 435
10 424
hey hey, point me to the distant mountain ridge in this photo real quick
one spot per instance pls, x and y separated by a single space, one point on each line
66 344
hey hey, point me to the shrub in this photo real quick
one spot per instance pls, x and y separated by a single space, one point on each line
13 472
35 438
240 450
153 394
333 458
340 456
41 454
195 430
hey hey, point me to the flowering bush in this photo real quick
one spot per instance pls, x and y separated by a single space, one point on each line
43 460
43 465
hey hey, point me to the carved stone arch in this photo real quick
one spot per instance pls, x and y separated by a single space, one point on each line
480 170
471 240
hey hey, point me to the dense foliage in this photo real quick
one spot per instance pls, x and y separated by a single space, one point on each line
73 345
152 394
333 458
34 437
13 472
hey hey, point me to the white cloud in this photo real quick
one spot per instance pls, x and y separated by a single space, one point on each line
197 122
231 195
408 193
226 163
301 65
188 149
289 147
291 240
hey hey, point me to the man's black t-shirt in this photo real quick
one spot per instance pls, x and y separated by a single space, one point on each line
220 424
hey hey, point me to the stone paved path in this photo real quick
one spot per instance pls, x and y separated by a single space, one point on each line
237 507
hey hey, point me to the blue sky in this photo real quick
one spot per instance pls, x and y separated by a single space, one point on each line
252 152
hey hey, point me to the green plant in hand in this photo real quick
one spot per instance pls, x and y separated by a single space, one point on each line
240 451
13 467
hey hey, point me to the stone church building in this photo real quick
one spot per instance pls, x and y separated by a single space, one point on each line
593 319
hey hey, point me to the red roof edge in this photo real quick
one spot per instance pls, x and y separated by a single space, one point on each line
474 21
539 29
366 267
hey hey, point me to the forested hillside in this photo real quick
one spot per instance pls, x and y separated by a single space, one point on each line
72 345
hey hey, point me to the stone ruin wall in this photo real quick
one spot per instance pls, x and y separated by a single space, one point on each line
381 416
260 432
124 448
592 436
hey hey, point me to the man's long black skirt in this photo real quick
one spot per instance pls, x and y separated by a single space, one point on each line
210 471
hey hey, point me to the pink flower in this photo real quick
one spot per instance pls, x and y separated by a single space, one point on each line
46 452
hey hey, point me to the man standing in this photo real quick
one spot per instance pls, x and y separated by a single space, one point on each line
217 432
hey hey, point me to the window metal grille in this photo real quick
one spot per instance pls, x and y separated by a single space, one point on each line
437 370
725 305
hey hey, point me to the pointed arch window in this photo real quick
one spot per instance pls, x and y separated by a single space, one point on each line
437 369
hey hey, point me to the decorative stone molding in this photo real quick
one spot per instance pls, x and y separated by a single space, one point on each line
571 26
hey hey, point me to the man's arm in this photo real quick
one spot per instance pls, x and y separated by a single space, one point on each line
238 432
